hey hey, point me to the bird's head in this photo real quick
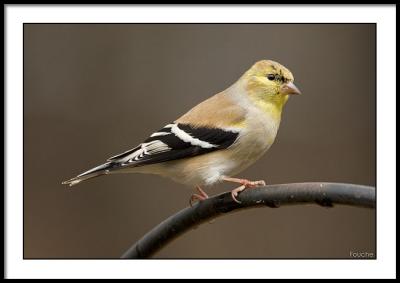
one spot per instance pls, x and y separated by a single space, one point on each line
269 84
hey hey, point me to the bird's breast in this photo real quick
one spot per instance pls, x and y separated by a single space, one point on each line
257 137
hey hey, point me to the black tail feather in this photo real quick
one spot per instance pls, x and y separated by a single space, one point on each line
94 172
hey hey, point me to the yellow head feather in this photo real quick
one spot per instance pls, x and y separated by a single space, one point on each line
263 83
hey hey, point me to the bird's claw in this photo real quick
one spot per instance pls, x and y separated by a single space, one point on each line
235 193
200 196
254 184
246 184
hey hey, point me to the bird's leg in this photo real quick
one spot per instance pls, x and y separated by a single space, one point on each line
200 197
245 184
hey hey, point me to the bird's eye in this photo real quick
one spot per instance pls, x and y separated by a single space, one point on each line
271 77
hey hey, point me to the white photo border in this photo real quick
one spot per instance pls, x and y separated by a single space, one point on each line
383 267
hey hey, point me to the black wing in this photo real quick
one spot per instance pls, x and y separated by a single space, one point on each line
176 141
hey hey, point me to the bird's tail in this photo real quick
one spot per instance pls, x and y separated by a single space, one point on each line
94 172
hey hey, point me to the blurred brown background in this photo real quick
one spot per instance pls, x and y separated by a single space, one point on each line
92 91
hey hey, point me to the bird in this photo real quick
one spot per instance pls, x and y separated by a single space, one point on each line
216 139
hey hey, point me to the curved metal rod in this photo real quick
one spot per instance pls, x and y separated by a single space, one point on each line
324 194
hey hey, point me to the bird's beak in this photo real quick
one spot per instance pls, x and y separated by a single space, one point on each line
290 88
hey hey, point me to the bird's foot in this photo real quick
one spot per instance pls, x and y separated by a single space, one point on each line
200 196
245 184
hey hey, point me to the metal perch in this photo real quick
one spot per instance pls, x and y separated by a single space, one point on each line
324 194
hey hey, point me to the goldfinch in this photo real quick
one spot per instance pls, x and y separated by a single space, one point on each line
216 139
